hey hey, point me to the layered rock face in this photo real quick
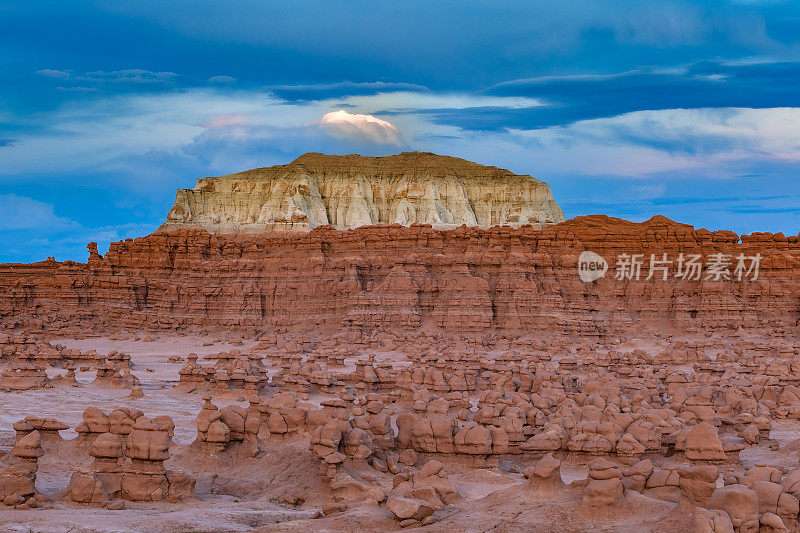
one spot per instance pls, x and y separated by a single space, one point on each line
386 277
351 191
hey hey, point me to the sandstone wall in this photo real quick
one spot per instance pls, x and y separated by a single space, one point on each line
352 191
398 278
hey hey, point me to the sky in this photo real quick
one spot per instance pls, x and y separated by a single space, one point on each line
686 109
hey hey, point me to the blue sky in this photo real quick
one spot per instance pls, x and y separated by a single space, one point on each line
628 108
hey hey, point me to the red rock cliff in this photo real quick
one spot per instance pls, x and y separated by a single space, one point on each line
398 278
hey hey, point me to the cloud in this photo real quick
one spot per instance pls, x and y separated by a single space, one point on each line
30 230
656 95
704 84
36 244
151 143
637 145
53 73
134 76
714 205
21 212
108 132
236 128
358 127
448 43
238 142
90 134
404 101
722 134
322 91
78 89
222 80
225 121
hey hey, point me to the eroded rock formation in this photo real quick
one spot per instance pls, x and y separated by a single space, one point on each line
351 191
466 280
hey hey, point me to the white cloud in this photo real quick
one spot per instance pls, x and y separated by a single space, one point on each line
726 133
358 127
411 101
65 241
636 144
30 230
21 212
87 135
134 75
53 73
653 141
222 80
226 130
78 89
102 132
542 154
349 85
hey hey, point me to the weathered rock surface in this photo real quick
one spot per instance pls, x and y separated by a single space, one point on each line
352 190
396 278
395 377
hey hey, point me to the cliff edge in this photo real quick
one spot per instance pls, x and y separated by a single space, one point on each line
352 190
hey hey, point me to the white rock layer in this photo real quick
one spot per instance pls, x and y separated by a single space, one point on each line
350 191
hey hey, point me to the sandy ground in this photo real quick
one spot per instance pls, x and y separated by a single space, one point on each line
212 512
244 494
67 404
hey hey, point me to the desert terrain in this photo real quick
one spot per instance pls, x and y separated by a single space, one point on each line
273 371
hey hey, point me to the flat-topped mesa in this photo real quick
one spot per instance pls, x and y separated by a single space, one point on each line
352 190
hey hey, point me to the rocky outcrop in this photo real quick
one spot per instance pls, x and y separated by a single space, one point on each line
18 480
350 191
465 280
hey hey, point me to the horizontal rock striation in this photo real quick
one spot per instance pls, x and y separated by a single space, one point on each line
389 277
351 191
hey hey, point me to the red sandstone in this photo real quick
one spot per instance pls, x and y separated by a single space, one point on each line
395 278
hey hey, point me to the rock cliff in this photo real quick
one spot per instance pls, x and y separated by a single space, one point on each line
389 277
350 191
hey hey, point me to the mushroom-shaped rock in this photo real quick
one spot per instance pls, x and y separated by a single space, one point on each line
95 421
147 441
703 444
121 421
635 478
107 445
605 486
234 417
29 446
218 433
698 483
325 439
181 486
545 476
